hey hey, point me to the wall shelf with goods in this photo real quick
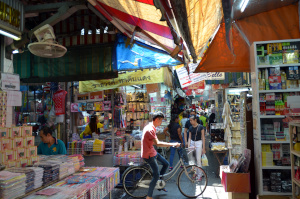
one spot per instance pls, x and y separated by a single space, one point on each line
274 78
294 130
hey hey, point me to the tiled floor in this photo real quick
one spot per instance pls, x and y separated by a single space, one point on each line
214 189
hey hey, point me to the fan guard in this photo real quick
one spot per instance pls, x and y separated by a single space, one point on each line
47 49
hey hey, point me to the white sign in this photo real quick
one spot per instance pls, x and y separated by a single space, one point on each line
215 76
186 79
14 98
10 82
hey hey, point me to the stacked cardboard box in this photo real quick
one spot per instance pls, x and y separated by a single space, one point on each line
17 147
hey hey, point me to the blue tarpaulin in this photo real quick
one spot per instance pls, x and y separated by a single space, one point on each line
140 56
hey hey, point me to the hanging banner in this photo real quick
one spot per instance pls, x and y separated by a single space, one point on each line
186 79
140 56
147 76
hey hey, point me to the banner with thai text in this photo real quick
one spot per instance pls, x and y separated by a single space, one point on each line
146 76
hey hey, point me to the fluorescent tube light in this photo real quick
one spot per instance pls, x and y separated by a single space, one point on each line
15 51
135 86
9 35
244 4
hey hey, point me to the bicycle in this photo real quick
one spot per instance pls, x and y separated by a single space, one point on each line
136 179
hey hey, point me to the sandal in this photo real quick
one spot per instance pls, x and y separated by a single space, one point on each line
170 169
164 189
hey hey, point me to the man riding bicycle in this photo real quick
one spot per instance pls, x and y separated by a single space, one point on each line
148 152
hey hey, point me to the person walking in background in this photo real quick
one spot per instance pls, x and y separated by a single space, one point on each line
183 122
211 120
174 131
197 141
188 125
148 152
91 128
203 119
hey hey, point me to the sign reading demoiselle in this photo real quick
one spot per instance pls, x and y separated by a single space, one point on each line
186 79
146 76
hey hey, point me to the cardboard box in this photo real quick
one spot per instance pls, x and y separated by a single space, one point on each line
4 132
22 152
18 142
16 132
31 151
236 182
224 168
238 195
26 131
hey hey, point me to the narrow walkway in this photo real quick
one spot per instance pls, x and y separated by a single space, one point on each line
214 189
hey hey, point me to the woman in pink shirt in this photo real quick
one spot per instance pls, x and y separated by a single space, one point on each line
149 153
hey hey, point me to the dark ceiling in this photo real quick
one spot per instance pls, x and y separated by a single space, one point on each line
258 6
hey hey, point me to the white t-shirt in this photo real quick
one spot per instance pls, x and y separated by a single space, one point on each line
183 121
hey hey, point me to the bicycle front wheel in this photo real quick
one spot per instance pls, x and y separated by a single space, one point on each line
136 182
192 182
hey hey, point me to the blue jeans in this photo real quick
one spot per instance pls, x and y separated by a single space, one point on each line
173 149
154 166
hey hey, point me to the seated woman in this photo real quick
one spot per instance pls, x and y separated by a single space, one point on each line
91 128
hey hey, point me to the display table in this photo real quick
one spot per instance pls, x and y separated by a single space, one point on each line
58 176
90 183
220 155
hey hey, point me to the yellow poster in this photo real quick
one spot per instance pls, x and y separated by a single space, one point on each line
147 76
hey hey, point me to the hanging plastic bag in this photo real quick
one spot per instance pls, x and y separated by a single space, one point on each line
204 160
192 159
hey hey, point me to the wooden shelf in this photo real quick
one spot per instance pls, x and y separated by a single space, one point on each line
296 153
297 182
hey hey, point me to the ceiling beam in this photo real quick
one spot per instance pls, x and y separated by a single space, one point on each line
63 12
50 6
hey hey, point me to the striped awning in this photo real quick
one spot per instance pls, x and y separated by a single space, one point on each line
126 15
90 62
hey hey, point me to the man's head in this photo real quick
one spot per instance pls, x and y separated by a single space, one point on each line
193 120
193 112
202 113
158 118
46 135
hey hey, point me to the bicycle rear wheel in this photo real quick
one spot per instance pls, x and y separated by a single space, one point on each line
191 185
136 181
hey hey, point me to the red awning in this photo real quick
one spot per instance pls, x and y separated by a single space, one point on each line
126 15
277 24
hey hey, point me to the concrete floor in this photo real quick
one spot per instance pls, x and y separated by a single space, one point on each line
214 189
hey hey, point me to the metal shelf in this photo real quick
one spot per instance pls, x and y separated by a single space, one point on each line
280 65
271 116
280 91
277 193
274 142
278 167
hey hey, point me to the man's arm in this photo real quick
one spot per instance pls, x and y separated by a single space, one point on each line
203 141
179 134
165 144
185 136
166 131
189 143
